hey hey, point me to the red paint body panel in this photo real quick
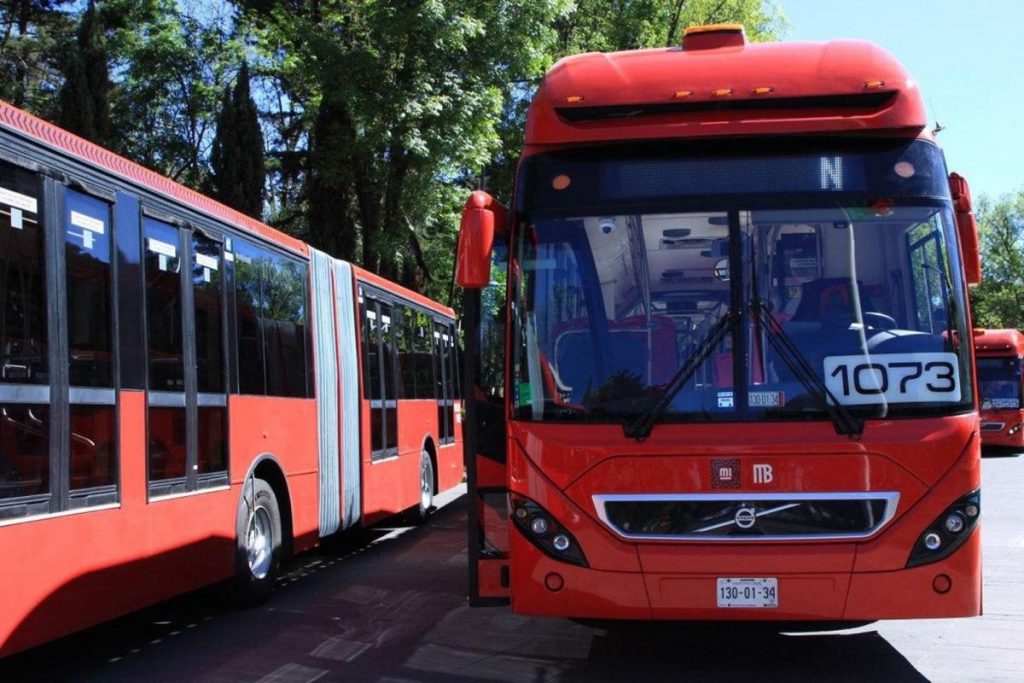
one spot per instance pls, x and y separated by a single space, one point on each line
792 70
680 577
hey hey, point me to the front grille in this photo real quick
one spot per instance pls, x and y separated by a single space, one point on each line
750 517
992 426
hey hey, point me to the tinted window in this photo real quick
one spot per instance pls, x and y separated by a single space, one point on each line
271 300
284 330
249 302
93 447
371 351
207 278
24 450
87 254
163 307
23 341
423 348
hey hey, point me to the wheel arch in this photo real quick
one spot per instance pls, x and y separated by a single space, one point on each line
431 450
267 468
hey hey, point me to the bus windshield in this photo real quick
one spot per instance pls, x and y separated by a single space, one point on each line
999 382
782 303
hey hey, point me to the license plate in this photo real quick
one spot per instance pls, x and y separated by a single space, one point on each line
748 593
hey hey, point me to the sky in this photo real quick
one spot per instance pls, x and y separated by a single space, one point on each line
968 58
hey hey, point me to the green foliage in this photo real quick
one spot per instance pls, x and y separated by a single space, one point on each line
84 97
236 161
33 36
998 302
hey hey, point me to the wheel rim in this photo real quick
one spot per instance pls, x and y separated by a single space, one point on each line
259 542
426 485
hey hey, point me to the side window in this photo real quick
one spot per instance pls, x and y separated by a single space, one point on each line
379 376
422 344
387 328
929 273
249 309
406 359
271 301
87 256
167 450
284 326
208 310
24 411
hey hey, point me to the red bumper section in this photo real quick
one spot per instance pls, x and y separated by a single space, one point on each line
816 581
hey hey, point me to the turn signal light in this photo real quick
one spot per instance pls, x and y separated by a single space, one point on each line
948 532
541 529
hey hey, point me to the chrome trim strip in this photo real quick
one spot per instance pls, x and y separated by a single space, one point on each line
891 498
91 396
165 399
25 393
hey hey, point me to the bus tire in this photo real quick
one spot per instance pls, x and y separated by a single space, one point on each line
426 504
258 543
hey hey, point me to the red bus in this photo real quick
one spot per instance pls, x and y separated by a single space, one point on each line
719 362
999 354
188 395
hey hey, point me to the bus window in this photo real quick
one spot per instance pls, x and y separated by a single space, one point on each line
249 308
88 253
165 344
24 427
422 344
208 297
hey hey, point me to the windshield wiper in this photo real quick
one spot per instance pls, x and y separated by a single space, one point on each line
843 420
640 428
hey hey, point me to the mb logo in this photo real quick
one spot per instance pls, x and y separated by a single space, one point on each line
763 474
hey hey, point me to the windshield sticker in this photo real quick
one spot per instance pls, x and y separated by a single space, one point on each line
766 399
893 378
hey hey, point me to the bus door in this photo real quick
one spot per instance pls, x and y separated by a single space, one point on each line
484 435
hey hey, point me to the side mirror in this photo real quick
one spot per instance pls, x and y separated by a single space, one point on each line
967 227
482 218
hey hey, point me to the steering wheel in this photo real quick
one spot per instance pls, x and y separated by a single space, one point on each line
879 321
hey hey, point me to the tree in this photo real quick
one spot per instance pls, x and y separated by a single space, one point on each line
998 302
84 97
33 36
171 60
236 159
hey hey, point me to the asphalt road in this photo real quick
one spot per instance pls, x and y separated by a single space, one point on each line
389 606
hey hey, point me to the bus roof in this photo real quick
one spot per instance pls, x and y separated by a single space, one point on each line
716 84
999 342
66 143
399 291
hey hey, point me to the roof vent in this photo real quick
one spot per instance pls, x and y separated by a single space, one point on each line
714 36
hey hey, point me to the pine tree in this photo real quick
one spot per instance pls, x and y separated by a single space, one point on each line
85 95
237 156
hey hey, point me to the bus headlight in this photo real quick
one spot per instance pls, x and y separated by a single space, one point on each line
948 532
541 529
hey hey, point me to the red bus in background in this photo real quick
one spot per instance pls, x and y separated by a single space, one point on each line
718 351
188 395
998 357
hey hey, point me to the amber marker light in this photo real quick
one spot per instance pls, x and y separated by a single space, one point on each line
680 94
762 91
573 99
872 85
722 92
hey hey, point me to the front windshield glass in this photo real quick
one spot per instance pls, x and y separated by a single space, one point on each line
999 382
612 302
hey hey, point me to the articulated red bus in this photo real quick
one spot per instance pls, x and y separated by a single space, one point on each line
719 350
187 394
999 354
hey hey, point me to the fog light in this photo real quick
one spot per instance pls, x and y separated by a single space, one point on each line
954 523
932 541
539 526
560 543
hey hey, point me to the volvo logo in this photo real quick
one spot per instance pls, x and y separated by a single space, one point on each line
745 517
